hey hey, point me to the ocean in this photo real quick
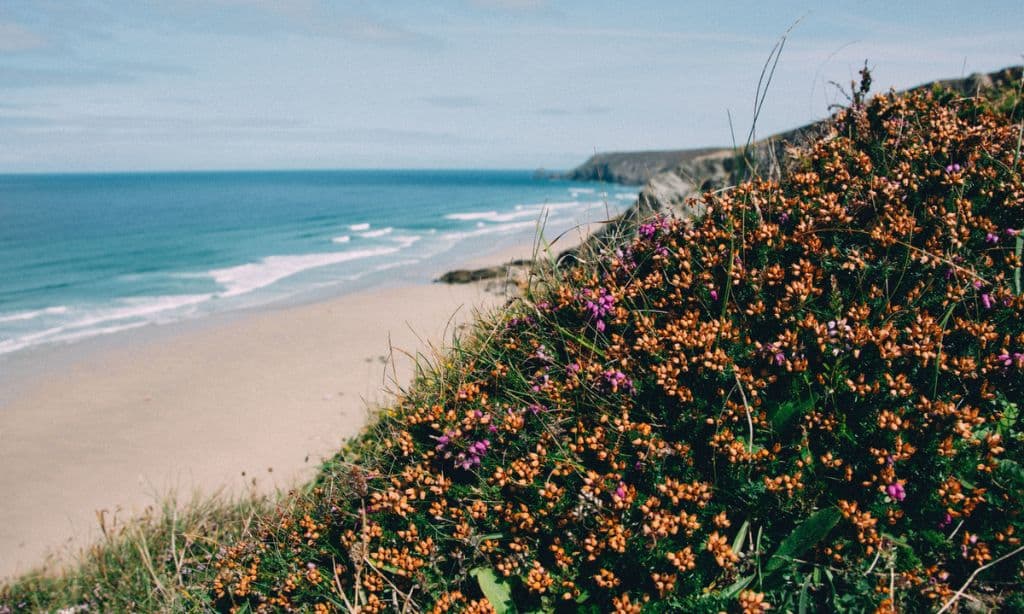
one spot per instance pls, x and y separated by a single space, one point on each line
96 254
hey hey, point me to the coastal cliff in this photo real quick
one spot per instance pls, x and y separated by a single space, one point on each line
688 173
633 167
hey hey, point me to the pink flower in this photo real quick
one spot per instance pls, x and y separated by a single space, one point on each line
895 490
986 300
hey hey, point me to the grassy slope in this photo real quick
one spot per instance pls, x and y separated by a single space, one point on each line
806 398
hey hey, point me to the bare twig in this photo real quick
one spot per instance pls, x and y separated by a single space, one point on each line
960 593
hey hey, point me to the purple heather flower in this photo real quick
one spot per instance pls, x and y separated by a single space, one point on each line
779 358
620 491
573 368
1013 232
1009 360
472 456
647 230
895 490
536 408
783 217
617 380
986 300
946 521
599 306
992 238
714 295
954 168
977 284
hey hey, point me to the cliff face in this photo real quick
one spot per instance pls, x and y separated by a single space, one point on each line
632 168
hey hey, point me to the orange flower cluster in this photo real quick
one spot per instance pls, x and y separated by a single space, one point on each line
818 377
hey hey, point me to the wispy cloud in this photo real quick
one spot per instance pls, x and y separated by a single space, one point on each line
82 73
566 111
453 102
14 77
515 5
14 38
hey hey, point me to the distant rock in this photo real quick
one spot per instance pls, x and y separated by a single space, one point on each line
511 270
631 168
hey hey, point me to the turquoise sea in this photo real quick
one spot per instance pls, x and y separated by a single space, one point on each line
88 255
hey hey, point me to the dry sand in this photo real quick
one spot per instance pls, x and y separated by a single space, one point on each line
259 397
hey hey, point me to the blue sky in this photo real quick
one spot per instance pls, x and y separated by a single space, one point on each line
250 84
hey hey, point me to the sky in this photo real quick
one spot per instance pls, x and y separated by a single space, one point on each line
308 84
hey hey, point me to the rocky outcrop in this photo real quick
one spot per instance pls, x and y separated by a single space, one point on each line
466 276
632 168
688 173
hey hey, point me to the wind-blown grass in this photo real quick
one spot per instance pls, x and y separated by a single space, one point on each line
162 561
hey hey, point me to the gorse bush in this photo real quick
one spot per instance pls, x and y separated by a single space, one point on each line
806 399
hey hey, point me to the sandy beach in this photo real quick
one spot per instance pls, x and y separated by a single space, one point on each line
253 400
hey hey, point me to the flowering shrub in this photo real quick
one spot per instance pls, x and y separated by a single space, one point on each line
807 399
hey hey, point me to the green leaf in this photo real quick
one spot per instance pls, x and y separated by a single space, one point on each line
786 412
1009 417
805 597
496 589
741 535
803 538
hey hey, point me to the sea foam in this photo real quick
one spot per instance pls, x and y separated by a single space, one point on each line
19 316
376 233
245 278
84 322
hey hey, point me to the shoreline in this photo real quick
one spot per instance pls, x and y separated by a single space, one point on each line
227 403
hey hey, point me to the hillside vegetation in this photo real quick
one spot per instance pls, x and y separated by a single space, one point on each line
807 399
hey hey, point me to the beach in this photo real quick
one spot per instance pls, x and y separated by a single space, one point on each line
254 400
196 333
